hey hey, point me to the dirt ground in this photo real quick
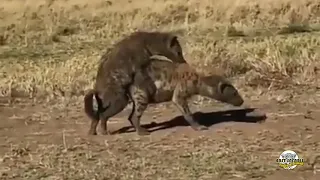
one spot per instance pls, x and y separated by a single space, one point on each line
51 49
50 141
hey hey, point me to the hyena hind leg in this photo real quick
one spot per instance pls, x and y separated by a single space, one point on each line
95 116
117 102
183 107
140 104
93 127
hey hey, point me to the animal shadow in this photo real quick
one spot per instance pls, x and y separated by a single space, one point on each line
206 119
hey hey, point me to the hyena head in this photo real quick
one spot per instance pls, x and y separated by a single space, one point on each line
164 44
218 88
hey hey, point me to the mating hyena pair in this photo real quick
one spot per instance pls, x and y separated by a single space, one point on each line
118 68
128 71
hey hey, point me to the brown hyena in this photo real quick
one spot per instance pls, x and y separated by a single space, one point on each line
176 83
117 69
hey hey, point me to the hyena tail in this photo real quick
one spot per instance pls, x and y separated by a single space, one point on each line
88 105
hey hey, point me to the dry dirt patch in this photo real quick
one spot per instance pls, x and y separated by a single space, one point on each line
49 51
51 143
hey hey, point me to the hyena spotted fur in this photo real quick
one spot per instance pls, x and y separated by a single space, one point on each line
176 83
118 68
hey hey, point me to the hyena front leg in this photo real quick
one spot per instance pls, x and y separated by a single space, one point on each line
140 104
180 100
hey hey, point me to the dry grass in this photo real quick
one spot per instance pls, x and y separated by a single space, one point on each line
52 47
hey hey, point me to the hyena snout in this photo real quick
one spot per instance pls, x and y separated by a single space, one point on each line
236 101
230 95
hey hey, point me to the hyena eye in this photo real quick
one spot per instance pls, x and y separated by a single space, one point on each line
234 92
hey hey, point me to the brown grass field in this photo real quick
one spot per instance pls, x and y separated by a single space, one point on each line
49 52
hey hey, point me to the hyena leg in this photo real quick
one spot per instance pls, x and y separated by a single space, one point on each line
138 92
116 103
140 104
181 102
94 122
132 112
93 127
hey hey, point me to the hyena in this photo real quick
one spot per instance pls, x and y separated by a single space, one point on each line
177 83
117 69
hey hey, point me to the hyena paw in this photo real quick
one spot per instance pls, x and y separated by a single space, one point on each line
143 132
92 132
105 132
199 127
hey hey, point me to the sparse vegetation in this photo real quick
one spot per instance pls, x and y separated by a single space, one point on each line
41 40
51 49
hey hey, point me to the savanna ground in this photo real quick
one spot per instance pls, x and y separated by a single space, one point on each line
49 54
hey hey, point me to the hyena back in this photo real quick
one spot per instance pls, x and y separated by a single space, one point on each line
117 70
177 83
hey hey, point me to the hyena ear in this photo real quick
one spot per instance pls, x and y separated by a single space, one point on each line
221 87
172 41
225 88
